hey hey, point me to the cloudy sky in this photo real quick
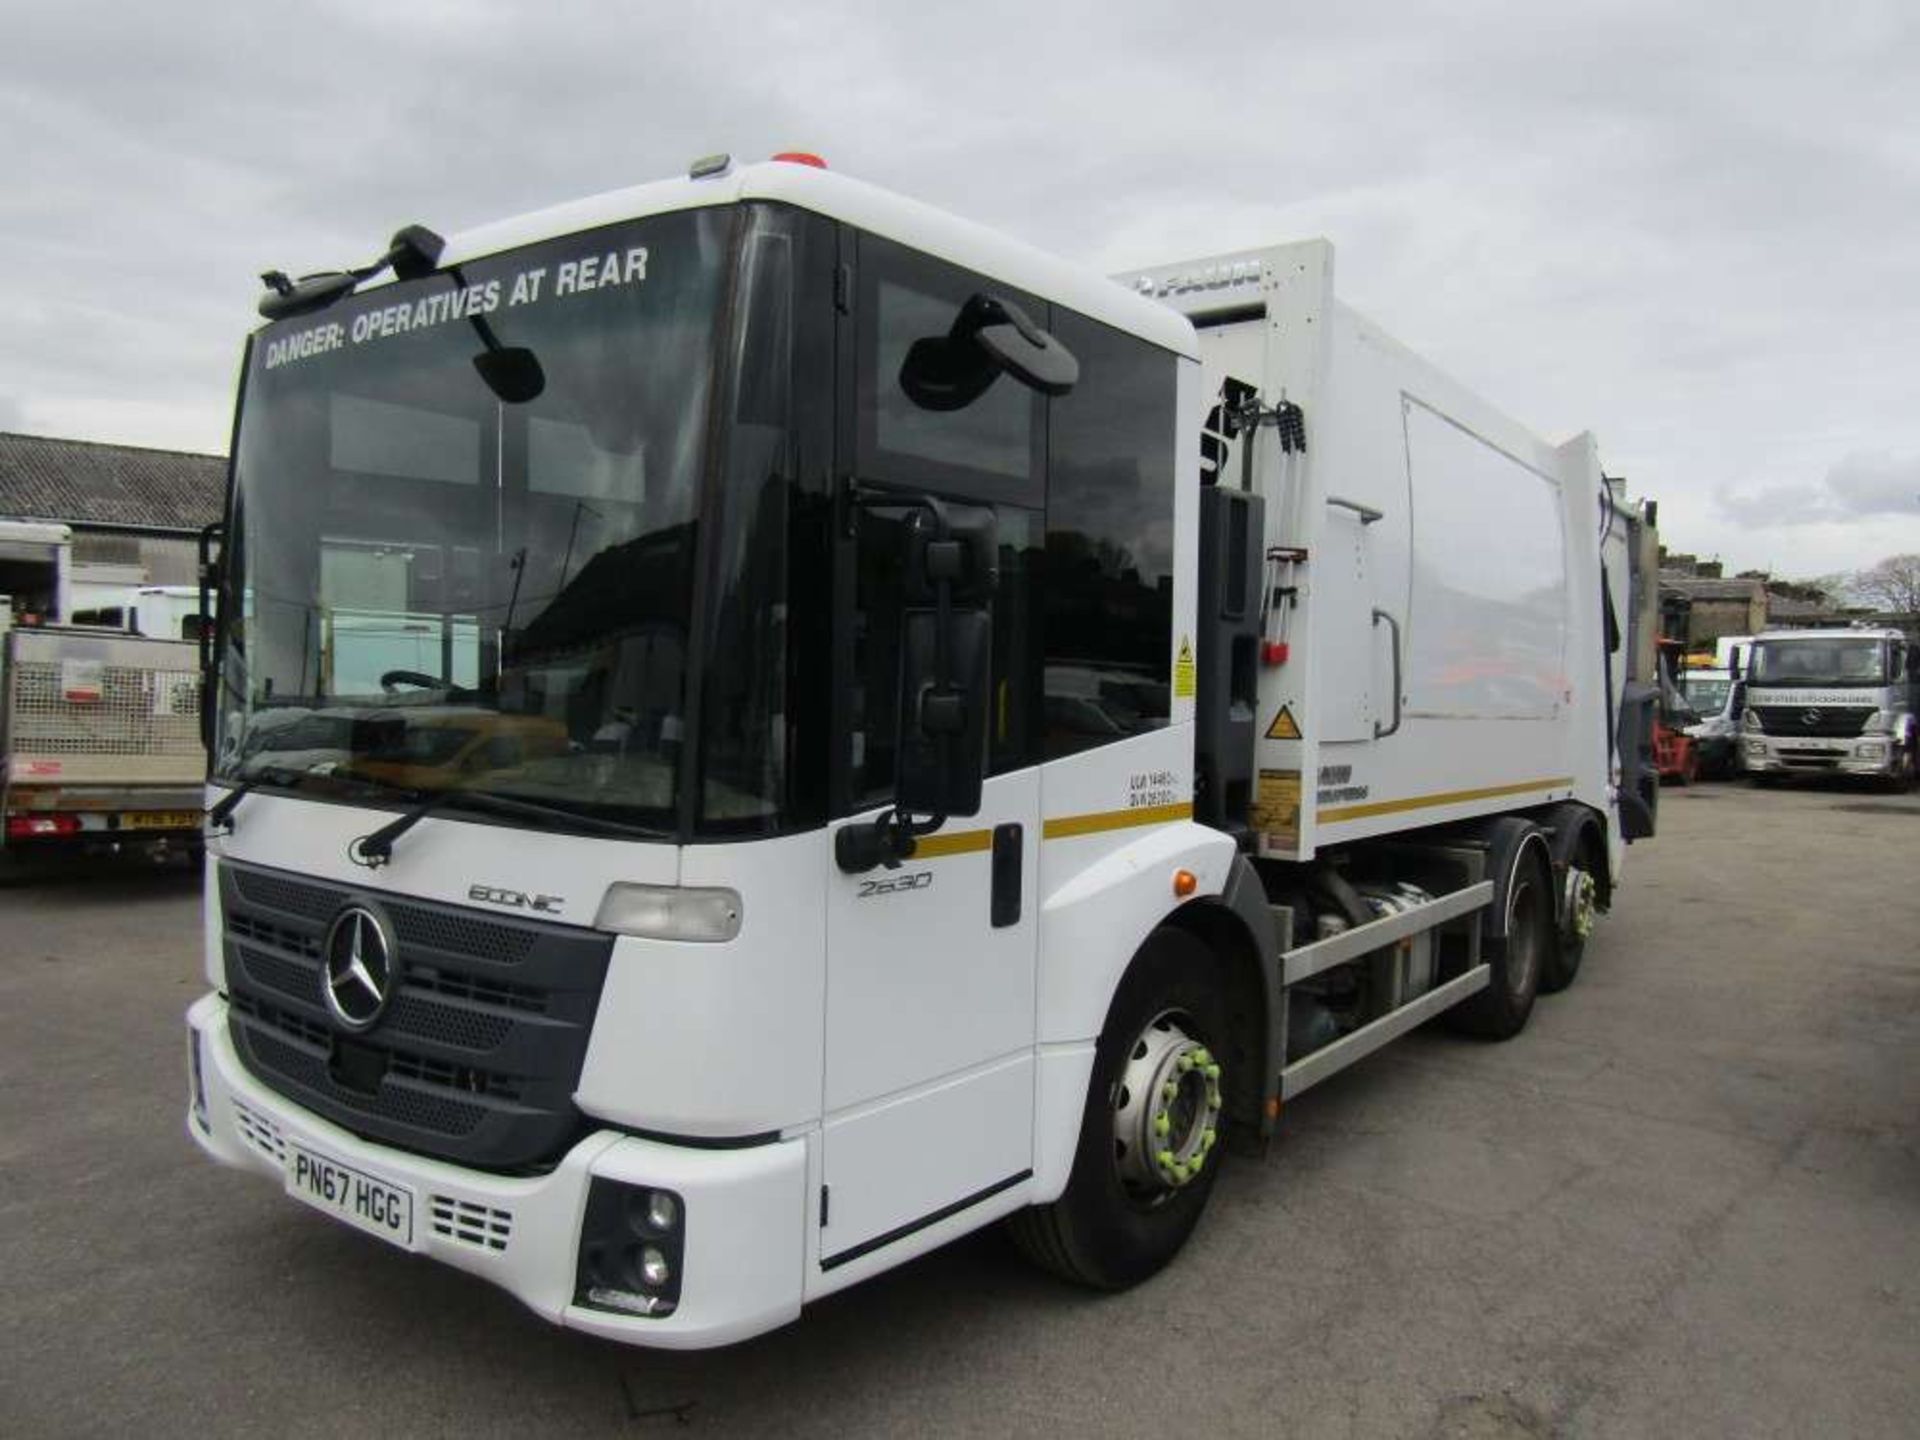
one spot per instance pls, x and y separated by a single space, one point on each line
1691 228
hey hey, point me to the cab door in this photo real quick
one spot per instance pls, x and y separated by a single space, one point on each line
928 1082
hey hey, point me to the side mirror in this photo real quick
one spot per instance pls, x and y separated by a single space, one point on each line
212 538
989 336
943 712
511 372
946 655
1021 348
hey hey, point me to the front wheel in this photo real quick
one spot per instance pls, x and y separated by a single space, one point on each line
1901 779
1150 1137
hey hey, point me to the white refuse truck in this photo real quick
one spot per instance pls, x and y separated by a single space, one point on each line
1831 702
99 731
899 733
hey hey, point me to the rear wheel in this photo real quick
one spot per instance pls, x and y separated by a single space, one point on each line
1518 958
1579 911
1150 1136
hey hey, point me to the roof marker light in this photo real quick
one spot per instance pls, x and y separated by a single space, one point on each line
801 157
709 165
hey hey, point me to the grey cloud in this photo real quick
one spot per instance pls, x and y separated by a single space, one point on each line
1859 487
1685 228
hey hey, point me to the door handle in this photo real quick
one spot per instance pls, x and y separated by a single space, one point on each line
1004 903
1380 733
1366 513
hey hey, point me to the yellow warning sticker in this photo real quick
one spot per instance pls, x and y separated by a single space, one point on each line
1276 808
1283 726
1183 671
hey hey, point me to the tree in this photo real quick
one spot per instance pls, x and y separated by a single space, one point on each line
1893 584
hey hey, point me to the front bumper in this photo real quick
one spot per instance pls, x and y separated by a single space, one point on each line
1786 755
745 1209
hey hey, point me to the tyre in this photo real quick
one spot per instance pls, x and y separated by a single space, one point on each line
1518 959
1901 780
1149 1138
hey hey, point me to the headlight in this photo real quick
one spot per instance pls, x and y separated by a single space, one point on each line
1878 723
1750 722
669 912
632 1249
1875 751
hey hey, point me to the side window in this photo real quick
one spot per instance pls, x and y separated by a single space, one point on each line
937 435
1897 663
1109 541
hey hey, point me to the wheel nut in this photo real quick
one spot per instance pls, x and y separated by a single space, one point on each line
1161 1124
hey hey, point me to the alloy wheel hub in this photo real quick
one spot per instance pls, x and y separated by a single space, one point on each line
1166 1111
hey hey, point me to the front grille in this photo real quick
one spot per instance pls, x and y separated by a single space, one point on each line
478 1052
1832 722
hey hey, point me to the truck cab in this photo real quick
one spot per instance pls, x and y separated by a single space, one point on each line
1830 702
1717 696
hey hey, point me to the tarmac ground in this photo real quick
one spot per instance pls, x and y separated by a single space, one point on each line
1685 1201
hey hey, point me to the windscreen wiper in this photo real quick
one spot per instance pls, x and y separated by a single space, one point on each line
220 814
376 849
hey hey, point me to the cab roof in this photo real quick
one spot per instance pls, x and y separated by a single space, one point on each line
1834 632
866 207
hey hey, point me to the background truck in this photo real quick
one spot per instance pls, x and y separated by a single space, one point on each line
998 734
1830 702
1715 691
99 732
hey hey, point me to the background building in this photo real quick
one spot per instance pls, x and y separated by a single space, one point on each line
136 514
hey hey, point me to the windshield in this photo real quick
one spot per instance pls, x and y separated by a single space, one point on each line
432 587
1831 662
1706 694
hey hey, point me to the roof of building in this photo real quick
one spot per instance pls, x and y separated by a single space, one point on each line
78 482
1712 589
1780 605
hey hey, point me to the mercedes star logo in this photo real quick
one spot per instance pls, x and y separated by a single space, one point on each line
1809 718
359 972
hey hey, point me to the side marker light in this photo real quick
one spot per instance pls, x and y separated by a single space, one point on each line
1185 882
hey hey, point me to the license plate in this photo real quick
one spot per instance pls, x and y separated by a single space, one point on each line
376 1206
160 820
